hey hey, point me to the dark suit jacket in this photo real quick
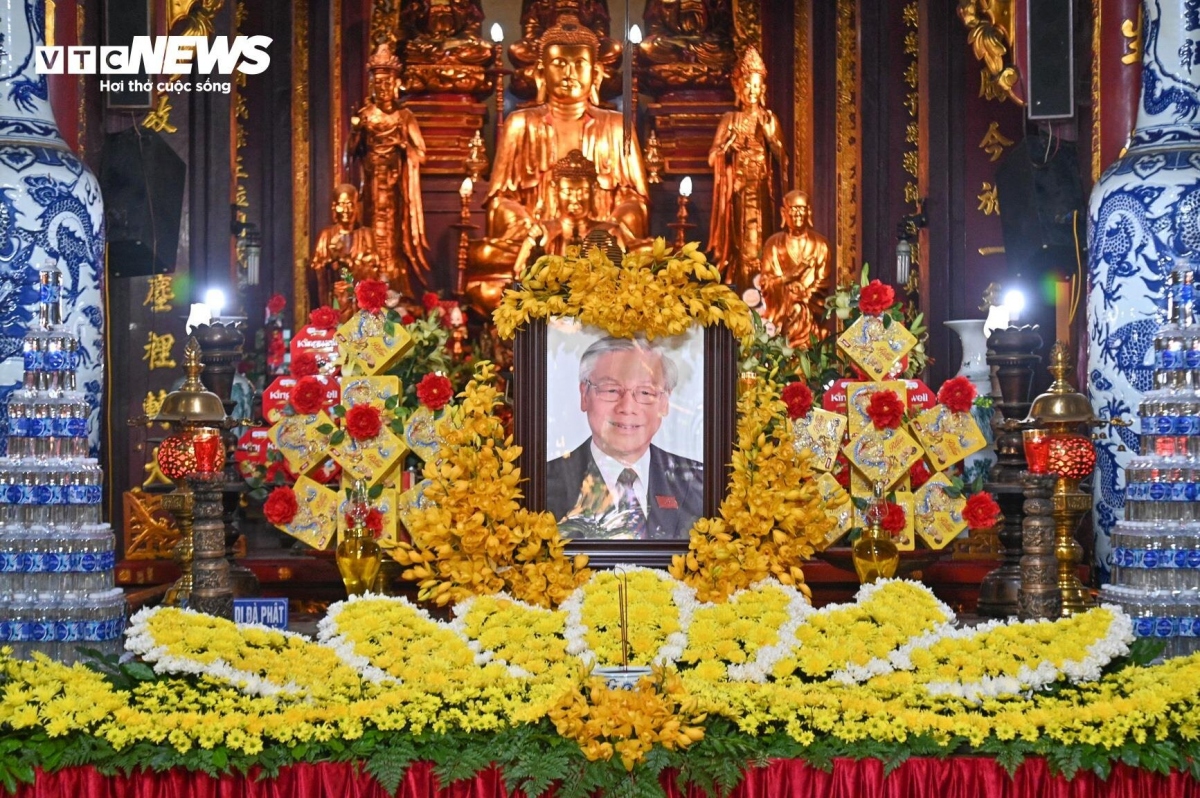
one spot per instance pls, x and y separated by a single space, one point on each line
675 494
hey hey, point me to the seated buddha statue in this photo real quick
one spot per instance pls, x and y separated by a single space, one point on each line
575 180
442 46
523 190
796 276
537 16
344 254
688 45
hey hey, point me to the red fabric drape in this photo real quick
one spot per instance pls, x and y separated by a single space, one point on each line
956 777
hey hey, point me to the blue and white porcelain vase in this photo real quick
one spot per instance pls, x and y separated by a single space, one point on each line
1143 214
50 211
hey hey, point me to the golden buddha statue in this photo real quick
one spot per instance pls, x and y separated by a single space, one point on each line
389 141
575 179
443 47
688 44
743 185
345 254
538 16
796 275
523 190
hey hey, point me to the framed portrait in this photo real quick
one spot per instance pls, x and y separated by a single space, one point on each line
626 441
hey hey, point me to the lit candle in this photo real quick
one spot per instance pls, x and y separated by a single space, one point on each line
497 33
685 186
635 37
466 188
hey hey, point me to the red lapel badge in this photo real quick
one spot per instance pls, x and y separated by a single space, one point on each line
667 502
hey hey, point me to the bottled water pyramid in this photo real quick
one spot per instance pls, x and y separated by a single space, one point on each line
1156 549
56 557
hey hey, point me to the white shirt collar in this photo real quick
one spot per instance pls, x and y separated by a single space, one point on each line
611 468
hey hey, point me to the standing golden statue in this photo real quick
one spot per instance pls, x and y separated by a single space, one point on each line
796 276
389 141
743 192
523 190
345 254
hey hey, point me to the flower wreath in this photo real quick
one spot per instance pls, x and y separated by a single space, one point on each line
471 537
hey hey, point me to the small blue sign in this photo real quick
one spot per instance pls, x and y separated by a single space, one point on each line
271 612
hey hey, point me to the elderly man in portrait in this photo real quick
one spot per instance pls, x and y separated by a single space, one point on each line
617 484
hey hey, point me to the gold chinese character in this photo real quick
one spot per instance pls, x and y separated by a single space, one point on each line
1132 32
989 200
912 133
154 474
911 43
911 74
159 119
153 403
911 15
158 351
994 141
911 195
159 293
912 102
910 162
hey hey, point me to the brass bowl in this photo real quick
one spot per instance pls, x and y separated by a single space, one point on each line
912 563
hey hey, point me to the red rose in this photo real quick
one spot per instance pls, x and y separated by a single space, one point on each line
407 318
435 391
799 400
305 365
430 300
981 511
841 471
371 295
957 394
885 410
894 519
308 396
919 474
875 298
373 522
281 507
276 304
323 318
363 422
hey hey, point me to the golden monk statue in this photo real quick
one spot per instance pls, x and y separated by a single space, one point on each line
688 44
389 141
345 254
575 179
442 46
796 276
743 190
523 190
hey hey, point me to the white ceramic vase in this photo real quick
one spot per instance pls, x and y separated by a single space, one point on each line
1144 213
50 211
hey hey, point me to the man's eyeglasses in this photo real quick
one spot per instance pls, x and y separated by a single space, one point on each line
643 395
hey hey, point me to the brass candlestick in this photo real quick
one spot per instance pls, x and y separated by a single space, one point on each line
464 228
204 584
681 224
653 159
1065 413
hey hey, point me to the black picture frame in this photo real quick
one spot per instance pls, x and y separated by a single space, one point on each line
720 429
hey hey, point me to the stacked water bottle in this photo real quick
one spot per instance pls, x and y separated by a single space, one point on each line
1156 549
56 557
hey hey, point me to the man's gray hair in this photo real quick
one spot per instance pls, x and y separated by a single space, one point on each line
607 344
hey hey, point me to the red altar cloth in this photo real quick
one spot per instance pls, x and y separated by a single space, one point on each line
956 777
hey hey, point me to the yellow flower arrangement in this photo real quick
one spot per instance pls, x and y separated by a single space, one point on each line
655 294
628 723
851 642
527 640
771 520
656 624
1003 658
395 639
474 538
256 659
748 632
